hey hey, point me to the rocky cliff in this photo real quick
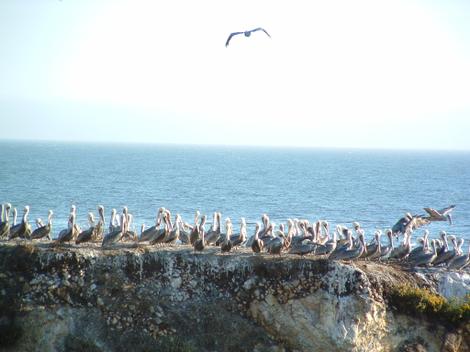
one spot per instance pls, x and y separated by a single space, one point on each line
139 298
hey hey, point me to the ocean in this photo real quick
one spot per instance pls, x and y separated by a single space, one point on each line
373 187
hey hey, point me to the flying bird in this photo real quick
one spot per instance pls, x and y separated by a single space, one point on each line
246 33
440 215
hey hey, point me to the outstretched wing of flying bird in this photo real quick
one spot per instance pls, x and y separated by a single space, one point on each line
416 222
260 29
230 37
447 210
433 212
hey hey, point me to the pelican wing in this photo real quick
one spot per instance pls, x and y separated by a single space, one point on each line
230 37
433 212
260 29
447 210
415 223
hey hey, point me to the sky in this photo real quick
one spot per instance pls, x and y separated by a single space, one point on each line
362 74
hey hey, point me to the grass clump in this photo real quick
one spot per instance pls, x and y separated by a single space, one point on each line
420 301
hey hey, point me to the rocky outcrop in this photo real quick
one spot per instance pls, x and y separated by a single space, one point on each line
133 298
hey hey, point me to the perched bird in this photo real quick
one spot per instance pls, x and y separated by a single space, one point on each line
87 235
23 229
257 244
246 33
459 261
70 232
44 231
5 224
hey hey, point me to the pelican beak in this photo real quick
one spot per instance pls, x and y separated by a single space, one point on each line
450 219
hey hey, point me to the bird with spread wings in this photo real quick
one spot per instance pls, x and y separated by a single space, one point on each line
246 33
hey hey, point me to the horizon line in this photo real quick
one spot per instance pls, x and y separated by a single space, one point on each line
261 146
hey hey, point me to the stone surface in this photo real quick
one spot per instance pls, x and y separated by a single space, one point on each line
139 298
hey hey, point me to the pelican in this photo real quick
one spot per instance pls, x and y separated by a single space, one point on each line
116 234
246 33
460 261
185 230
199 244
5 224
385 250
151 232
44 231
114 221
99 228
238 239
275 245
23 229
351 252
87 235
228 232
129 234
440 215
420 249
226 245
402 251
162 234
70 232
425 258
328 247
302 249
213 234
445 256
257 244
374 250
194 235
174 233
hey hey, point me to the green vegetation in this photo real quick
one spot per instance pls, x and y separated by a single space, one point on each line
411 301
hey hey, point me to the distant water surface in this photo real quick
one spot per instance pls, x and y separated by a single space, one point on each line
372 187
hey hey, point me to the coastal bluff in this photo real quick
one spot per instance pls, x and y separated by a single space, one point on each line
142 298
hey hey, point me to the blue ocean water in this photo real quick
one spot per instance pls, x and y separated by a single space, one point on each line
375 188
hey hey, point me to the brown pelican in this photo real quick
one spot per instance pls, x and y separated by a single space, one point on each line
129 234
302 248
446 254
374 249
440 215
226 245
328 247
238 239
70 232
5 225
257 244
185 230
404 250
99 228
423 248
199 244
194 235
213 234
151 232
228 232
116 235
162 234
44 231
351 252
87 235
246 33
425 258
385 250
409 223
114 221
276 245
174 233
459 261
23 229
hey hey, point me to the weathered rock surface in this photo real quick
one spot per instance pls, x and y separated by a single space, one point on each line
131 298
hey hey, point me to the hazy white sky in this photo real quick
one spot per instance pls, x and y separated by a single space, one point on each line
389 74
